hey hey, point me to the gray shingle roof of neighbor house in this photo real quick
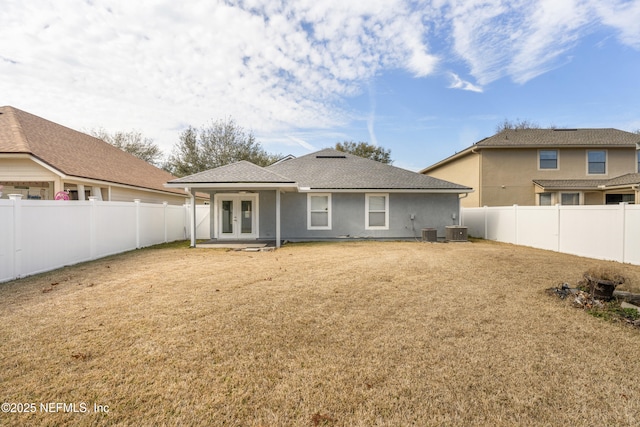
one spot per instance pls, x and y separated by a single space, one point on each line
574 184
326 169
552 138
627 179
76 154
560 137
623 180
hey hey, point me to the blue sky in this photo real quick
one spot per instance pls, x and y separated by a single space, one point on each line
422 78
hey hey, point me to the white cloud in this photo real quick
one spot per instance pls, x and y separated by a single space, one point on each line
458 83
271 65
276 66
624 16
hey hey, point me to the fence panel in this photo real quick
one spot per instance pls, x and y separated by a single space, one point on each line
151 224
203 221
177 225
632 235
604 232
592 231
501 225
42 235
115 227
7 251
52 235
538 227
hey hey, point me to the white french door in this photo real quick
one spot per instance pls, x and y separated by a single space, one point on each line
236 216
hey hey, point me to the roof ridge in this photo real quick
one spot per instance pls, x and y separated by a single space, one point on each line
16 127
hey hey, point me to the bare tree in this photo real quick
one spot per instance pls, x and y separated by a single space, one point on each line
366 150
133 142
220 143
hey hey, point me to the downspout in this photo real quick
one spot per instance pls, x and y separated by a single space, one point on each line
475 151
193 216
464 195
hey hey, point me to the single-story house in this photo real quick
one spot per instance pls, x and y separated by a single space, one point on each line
321 196
41 159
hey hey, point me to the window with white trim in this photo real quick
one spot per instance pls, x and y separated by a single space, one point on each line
319 211
548 159
638 158
376 207
596 162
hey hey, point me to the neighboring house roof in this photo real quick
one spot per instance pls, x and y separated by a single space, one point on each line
326 170
561 138
551 138
589 184
76 154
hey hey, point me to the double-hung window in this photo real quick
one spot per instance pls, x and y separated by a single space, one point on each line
638 158
548 159
319 211
377 211
596 162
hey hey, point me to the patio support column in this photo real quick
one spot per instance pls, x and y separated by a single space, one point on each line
277 218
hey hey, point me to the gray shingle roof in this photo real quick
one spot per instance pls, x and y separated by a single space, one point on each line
327 169
561 137
570 184
575 184
627 179
239 172
331 169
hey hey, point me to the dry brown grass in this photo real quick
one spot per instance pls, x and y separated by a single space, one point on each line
347 334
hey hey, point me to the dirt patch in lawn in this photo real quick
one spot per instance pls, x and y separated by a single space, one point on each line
344 334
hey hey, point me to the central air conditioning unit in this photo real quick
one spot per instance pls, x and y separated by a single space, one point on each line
456 233
429 235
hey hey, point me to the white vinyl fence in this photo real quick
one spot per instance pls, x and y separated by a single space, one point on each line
610 232
42 235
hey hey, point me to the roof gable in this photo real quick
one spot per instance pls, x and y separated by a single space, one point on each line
74 153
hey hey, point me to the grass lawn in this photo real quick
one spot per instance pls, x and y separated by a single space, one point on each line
336 334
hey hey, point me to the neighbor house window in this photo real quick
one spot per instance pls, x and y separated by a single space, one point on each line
570 199
548 159
597 162
319 211
638 158
545 199
377 211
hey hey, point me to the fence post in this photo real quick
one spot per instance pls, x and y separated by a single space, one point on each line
92 228
165 204
137 202
515 223
623 212
486 231
16 250
558 222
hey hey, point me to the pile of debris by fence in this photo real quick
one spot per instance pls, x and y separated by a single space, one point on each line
599 297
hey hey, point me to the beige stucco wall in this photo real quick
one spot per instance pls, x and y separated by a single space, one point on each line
507 174
464 171
119 194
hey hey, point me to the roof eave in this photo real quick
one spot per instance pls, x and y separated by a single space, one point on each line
463 153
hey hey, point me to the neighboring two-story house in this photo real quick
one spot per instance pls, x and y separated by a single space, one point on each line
547 167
